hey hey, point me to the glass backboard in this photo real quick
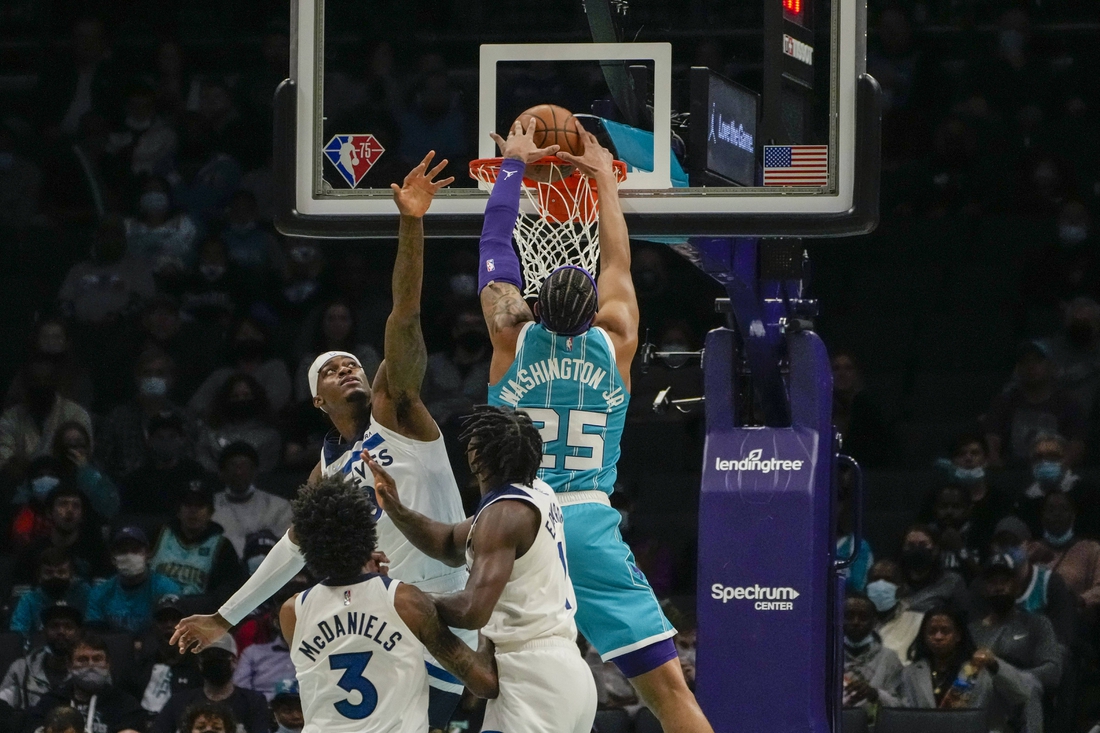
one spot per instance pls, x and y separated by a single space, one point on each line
733 118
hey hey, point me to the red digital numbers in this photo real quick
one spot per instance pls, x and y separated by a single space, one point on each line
794 7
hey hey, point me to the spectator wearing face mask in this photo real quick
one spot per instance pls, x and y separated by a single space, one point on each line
160 671
263 666
32 517
28 429
241 414
959 550
51 338
1051 474
249 245
300 287
286 704
162 235
1015 636
1076 560
1075 351
335 329
56 584
249 349
111 283
72 447
458 379
216 665
193 551
165 328
167 471
70 531
926 582
948 672
122 444
213 294
1039 590
241 508
46 667
91 690
968 467
895 624
872 673
147 140
126 601
1067 266
1033 405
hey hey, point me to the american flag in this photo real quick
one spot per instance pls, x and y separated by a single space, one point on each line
796 165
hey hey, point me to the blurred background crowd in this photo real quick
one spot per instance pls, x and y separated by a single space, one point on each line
156 330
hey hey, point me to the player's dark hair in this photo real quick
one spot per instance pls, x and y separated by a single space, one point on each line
334 522
567 301
509 447
208 710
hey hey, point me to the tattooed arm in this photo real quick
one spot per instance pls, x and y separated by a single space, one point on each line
477 670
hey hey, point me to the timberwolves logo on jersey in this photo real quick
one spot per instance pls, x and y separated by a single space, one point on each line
347 460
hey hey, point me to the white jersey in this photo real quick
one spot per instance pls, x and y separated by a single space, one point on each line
537 601
359 667
425 483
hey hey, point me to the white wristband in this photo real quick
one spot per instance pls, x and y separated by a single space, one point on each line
279 567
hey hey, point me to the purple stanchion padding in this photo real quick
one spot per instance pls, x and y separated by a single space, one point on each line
765 662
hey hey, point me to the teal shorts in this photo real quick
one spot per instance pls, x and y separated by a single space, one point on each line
616 609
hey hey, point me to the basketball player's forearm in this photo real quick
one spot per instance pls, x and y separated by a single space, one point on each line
404 343
614 239
434 539
277 569
499 262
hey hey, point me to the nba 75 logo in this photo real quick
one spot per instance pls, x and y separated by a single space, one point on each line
353 155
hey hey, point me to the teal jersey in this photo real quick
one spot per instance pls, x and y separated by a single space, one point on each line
571 388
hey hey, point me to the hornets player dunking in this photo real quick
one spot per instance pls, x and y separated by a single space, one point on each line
389 420
570 371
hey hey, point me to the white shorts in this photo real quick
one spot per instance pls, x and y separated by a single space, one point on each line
545 687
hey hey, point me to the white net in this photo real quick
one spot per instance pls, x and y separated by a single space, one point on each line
564 230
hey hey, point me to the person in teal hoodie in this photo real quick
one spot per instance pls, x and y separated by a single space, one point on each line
126 601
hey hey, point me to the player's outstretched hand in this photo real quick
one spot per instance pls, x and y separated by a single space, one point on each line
198 632
596 160
385 490
414 196
520 144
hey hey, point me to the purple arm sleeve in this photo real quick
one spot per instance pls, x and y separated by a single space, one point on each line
498 258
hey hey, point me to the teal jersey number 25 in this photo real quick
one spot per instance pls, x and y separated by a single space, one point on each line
571 388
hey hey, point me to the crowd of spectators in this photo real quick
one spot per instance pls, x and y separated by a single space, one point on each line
157 414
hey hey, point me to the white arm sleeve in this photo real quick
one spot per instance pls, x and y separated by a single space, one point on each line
279 567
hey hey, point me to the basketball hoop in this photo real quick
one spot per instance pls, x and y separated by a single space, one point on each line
564 230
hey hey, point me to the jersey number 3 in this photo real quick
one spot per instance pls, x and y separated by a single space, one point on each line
575 437
353 681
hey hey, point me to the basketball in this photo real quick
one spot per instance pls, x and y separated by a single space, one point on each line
554 125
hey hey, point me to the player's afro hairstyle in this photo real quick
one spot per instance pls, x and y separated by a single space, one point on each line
568 301
334 522
509 447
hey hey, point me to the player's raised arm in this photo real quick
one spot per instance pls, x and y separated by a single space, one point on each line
444 542
618 310
506 531
397 403
500 278
477 670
